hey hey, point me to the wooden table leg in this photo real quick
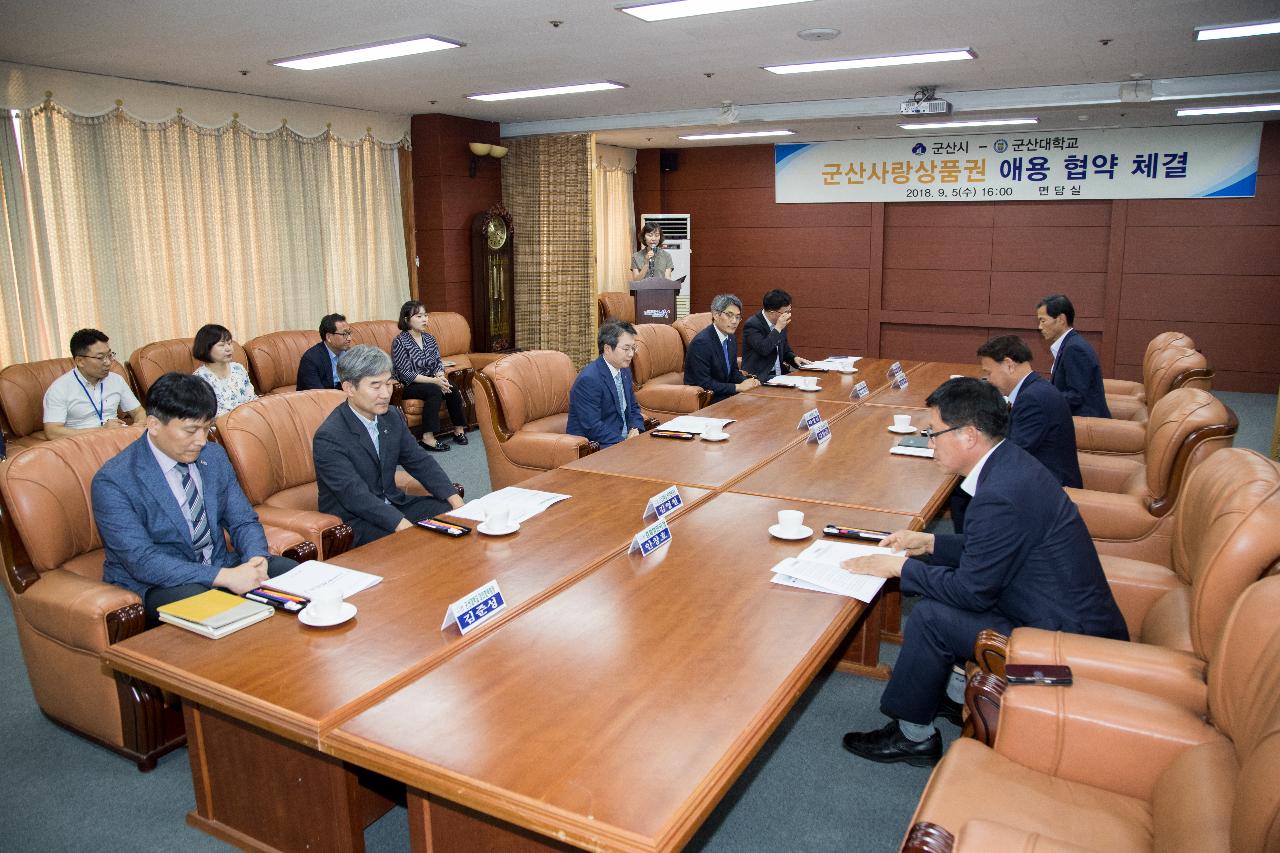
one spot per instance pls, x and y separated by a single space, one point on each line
259 791
439 826
860 654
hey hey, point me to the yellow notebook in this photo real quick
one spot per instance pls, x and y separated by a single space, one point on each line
214 613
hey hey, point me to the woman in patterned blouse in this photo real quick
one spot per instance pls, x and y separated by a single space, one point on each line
415 358
228 377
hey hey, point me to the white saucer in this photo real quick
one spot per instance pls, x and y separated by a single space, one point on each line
903 430
345 612
719 436
484 528
815 388
849 372
802 533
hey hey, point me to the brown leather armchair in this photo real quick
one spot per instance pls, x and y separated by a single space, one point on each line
151 361
616 306
1122 388
274 357
1096 766
1127 501
689 326
1226 535
523 406
1124 432
22 388
658 373
66 615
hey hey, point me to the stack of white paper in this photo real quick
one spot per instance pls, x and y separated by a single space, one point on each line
523 504
818 568
697 425
834 362
791 381
307 578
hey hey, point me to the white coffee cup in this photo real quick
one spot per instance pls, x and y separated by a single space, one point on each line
498 517
902 421
846 369
811 382
325 604
790 520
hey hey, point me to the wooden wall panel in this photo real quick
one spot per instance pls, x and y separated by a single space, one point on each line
1016 293
934 248
953 291
1050 249
1209 299
1207 249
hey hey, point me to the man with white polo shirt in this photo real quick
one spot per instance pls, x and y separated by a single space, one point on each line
91 395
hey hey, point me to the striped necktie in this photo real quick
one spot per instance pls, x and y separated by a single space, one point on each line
622 401
199 521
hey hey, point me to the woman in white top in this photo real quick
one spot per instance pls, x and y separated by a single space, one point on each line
229 379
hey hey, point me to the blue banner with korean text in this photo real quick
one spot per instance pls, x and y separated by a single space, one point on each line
1202 161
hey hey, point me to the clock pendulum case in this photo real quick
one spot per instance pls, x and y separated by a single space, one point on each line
493 280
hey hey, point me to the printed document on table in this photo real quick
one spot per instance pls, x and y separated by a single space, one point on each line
834 362
787 580
788 381
830 578
523 504
697 425
309 577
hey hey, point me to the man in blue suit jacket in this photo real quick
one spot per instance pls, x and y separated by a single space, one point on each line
1039 417
711 361
162 504
1076 371
1025 558
318 367
596 411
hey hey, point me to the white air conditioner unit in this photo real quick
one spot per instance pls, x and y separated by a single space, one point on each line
675 238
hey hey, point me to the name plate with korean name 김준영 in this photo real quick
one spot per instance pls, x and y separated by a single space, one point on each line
808 419
819 433
651 538
860 391
665 501
475 608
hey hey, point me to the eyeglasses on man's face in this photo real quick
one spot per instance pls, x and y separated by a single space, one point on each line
629 349
929 434
731 316
104 358
345 334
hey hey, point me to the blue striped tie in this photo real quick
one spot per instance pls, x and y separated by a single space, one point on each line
200 536
622 401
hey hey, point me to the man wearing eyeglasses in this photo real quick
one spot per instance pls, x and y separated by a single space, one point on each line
711 361
91 395
602 403
1025 558
166 505
318 367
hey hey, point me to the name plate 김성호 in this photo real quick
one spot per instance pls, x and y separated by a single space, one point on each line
477 607
860 391
819 433
808 419
651 538
665 501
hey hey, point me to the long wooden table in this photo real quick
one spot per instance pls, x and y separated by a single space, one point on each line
281 707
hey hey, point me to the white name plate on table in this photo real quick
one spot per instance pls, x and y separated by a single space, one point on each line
471 610
859 391
809 418
897 378
819 433
665 501
651 538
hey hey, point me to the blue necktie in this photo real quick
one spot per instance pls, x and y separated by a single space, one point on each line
622 401
200 536
728 360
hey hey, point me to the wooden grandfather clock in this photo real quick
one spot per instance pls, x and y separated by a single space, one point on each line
493 281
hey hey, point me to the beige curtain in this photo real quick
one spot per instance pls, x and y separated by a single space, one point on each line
546 184
150 230
615 220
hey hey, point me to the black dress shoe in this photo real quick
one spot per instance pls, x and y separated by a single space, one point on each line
460 438
889 745
438 447
952 712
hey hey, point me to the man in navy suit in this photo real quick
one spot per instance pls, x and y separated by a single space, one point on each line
602 403
318 367
1075 372
711 361
1039 417
358 448
1025 558
163 503
765 350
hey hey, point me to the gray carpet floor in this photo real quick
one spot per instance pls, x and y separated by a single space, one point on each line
801 793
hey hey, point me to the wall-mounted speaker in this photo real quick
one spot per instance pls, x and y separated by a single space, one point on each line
669 158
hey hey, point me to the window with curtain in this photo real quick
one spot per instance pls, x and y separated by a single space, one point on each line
149 230
615 223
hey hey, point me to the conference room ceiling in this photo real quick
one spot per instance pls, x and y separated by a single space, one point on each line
678 73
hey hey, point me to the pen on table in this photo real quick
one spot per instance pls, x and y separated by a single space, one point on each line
287 596
446 523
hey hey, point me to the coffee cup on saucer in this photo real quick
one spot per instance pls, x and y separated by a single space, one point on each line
790 521
498 518
715 436
902 422
325 606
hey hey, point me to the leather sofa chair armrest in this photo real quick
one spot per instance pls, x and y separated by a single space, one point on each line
1112 516
983 694
991 651
1098 734
481 360
1106 435
681 399
78 612
1105 473
545 450
1176 676
1124 388
984 836
925 837
290 543
1128 410
327 531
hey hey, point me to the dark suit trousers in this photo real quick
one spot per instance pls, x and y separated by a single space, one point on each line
158 596
430 396
936 636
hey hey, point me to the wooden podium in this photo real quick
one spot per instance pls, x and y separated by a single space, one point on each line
656 299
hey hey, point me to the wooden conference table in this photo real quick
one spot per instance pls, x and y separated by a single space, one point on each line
617 697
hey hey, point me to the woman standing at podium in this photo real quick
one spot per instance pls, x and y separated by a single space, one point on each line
652 261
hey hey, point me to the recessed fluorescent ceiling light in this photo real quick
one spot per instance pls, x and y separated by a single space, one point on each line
741 135
873 61
1218 111
689 8
985 122
367 53
541 93
1235 31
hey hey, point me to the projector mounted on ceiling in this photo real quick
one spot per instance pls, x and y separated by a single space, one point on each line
924 103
